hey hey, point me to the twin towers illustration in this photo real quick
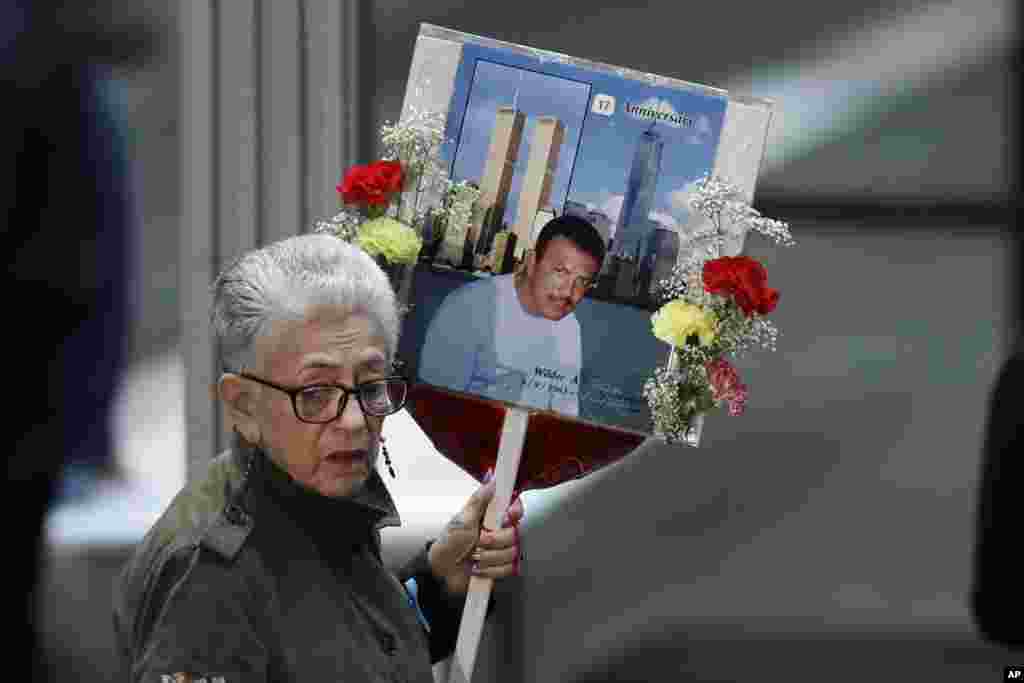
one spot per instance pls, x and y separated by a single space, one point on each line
634 228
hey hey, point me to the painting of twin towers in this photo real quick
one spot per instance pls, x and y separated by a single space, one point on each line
541 141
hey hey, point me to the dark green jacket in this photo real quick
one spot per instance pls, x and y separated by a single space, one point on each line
248 577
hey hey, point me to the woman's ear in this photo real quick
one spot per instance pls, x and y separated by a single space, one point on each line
529 262
238 401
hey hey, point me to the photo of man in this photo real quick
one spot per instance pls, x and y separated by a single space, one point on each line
515 337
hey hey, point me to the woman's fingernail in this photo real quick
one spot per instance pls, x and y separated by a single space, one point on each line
475 568
488 475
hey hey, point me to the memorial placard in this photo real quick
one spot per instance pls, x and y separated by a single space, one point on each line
565 325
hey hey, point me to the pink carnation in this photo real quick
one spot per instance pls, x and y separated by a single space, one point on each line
726 385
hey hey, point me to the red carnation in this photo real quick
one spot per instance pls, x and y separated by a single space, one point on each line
745 280
372 184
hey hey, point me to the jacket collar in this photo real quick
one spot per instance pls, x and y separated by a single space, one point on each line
372 505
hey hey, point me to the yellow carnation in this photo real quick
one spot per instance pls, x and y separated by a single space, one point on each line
677 320
395 241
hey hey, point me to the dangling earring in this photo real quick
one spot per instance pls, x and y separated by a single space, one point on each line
387 458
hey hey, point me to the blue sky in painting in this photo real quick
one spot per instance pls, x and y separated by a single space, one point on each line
597 152
535 94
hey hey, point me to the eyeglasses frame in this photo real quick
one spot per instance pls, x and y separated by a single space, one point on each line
342 403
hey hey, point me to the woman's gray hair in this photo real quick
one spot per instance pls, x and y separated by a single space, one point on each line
281 281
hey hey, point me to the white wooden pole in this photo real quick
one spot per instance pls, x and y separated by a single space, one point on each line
510 450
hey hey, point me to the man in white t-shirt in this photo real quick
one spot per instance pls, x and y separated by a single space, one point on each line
515 337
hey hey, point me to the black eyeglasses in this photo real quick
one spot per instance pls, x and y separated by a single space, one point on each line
316 403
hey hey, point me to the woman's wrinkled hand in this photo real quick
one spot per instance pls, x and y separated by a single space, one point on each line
467 548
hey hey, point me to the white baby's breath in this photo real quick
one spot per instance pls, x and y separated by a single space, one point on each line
730 214
457 209
416 142
343 225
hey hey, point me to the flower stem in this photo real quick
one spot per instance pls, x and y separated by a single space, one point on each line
673 359
401 195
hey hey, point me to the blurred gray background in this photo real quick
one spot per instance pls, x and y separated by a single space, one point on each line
830 528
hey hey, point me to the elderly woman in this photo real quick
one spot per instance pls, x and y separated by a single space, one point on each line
268 567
